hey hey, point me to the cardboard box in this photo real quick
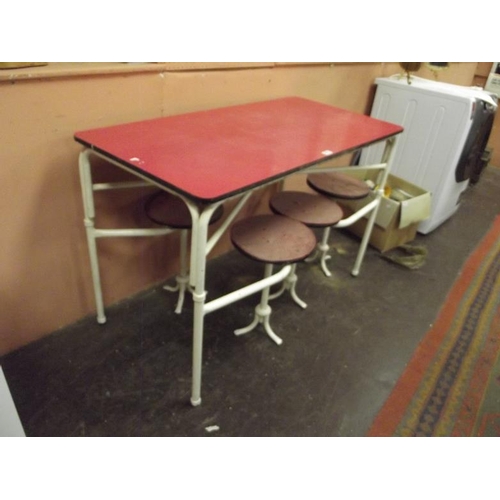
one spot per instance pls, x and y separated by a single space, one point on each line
397 221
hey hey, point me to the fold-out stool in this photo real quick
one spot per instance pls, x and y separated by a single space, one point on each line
337 185
168 210
313 210
271 239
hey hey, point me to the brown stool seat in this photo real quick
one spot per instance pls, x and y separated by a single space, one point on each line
169 210
310 209
338 185
273 239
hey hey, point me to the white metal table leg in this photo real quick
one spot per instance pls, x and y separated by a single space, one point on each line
366 237
200 247
94 233
387 159
199 301
198 251
89 214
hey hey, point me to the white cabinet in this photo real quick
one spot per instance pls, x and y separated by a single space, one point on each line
444 125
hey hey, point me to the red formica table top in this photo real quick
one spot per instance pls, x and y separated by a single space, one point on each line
215 154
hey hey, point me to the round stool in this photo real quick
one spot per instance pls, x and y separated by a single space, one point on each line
340 186
313 210
271 239
169 210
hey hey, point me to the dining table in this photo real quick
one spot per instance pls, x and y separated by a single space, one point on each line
211 156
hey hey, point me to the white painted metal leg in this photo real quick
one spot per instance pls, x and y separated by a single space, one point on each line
182 278
217 234
248 290
383 175
366 238
201 308
262 312
269 330
89 214
324 248
290 284
198 320
200 246
94 233
198 252
251 326
94 266
321 251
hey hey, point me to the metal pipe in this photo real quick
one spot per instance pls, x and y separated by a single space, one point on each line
359 214
86 184
101 186
134 232
197 280
248 290
89 211
198 220
220 231
388 157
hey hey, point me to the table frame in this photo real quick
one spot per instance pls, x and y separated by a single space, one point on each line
201 245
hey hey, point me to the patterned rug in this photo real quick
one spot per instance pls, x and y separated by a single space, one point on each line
451 387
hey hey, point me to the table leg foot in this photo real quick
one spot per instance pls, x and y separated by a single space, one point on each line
195 402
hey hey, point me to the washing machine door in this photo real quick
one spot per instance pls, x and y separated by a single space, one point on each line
470 163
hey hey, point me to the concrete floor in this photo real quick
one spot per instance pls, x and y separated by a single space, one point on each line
338 363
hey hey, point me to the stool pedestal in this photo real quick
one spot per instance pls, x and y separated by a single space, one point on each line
182 278
262 312
290 284
272 239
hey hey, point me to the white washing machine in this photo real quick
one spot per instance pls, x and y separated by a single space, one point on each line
446 131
